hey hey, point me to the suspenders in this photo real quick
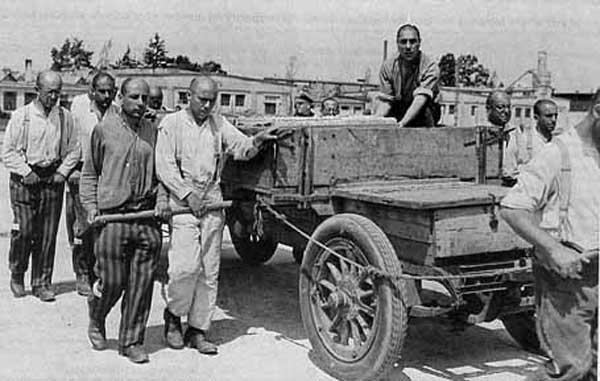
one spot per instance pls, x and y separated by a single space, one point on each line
27 122
564 187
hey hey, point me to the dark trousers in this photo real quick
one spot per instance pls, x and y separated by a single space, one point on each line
81 241
36 212
126 256
567 322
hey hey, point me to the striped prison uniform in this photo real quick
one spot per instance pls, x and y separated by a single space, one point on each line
46 145
118 177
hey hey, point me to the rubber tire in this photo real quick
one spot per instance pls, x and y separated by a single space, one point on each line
392 324
252 253
521 327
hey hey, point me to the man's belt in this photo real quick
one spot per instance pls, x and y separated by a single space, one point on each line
45 173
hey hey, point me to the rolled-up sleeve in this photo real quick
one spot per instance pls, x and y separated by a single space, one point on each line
240 146
167 169
429 80
536 183
12 148
386 84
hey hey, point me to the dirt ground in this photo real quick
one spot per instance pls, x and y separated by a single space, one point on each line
258 329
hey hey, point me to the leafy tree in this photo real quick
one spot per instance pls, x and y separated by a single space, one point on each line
448 70
155 54
127 61
464 71
71 55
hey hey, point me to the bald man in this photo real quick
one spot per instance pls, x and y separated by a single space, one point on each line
118 177
155 111
191 149
524 142
498 107
40 150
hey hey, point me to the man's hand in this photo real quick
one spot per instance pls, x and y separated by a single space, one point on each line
74 177
196 203
91 216
58 178
31 179
565 261
401 124
163 211
270 134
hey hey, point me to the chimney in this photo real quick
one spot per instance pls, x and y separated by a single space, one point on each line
28 70
543 88
385 47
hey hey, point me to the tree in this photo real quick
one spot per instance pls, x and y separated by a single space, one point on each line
155 54
72 55
448 70
127 61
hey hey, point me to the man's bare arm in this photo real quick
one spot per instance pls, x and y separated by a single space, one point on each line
414 109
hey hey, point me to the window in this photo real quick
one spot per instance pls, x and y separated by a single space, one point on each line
451 109
473 110
239 100
29 97
225 99
270 108
357 109
518 112
528 113
183 97
10 101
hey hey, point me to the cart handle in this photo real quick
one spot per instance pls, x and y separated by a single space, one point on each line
122 217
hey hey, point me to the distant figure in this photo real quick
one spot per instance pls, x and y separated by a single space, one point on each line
40 150
409 83
525 142
303 106
87 110
119 177
330 107
155 110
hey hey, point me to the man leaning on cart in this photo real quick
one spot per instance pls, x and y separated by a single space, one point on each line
555 205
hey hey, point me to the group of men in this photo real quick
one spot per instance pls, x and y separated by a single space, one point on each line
303 106
121 160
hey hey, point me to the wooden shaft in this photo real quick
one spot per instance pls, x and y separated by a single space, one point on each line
121 217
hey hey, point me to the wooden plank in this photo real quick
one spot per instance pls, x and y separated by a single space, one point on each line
467 230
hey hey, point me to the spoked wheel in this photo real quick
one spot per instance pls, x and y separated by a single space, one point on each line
355 323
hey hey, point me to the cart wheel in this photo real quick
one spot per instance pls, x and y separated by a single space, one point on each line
521 327
356 324
253 251
298 253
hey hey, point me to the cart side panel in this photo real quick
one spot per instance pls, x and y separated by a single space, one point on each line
409 231
469 230
345 153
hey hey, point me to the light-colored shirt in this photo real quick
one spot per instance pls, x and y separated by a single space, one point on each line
190 157
523 144
32 138
538 187
86 116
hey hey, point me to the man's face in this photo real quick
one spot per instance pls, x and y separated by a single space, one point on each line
302 107
49 93
330 108
499 111
155 101
409 44
104 93
133 102
202 102
546 120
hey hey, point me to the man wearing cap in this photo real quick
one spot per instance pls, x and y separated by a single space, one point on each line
303 106
409 83
330 107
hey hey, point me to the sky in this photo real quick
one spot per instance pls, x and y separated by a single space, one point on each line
331 39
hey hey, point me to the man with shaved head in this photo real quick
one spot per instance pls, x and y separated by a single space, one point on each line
524 141
118 177
87 110
155 111
191 149
40 150
498 109
555 206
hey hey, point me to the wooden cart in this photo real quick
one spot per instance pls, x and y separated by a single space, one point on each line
386 210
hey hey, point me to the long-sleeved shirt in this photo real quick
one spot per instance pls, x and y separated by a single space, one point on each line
32 138
427 77
190 157
118 171
523 144
86 116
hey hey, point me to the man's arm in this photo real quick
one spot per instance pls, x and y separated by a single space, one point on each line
242 147
428 88
414 109
167 169
509 168
385 95
73 150
92 168
12 154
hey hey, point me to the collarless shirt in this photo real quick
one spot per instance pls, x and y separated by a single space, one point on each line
538 187
32 138
190 156
523 144
425 77
119 167
86 116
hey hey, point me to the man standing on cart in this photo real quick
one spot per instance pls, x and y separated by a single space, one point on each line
555 205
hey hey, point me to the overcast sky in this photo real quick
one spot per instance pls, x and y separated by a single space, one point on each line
332 39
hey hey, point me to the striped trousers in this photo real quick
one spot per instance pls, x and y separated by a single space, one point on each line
126 256
36 212
82 244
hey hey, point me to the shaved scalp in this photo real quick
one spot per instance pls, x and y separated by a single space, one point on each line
47 77
155 91
495 96
102 75
537 107
203 84
129 82
408 26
